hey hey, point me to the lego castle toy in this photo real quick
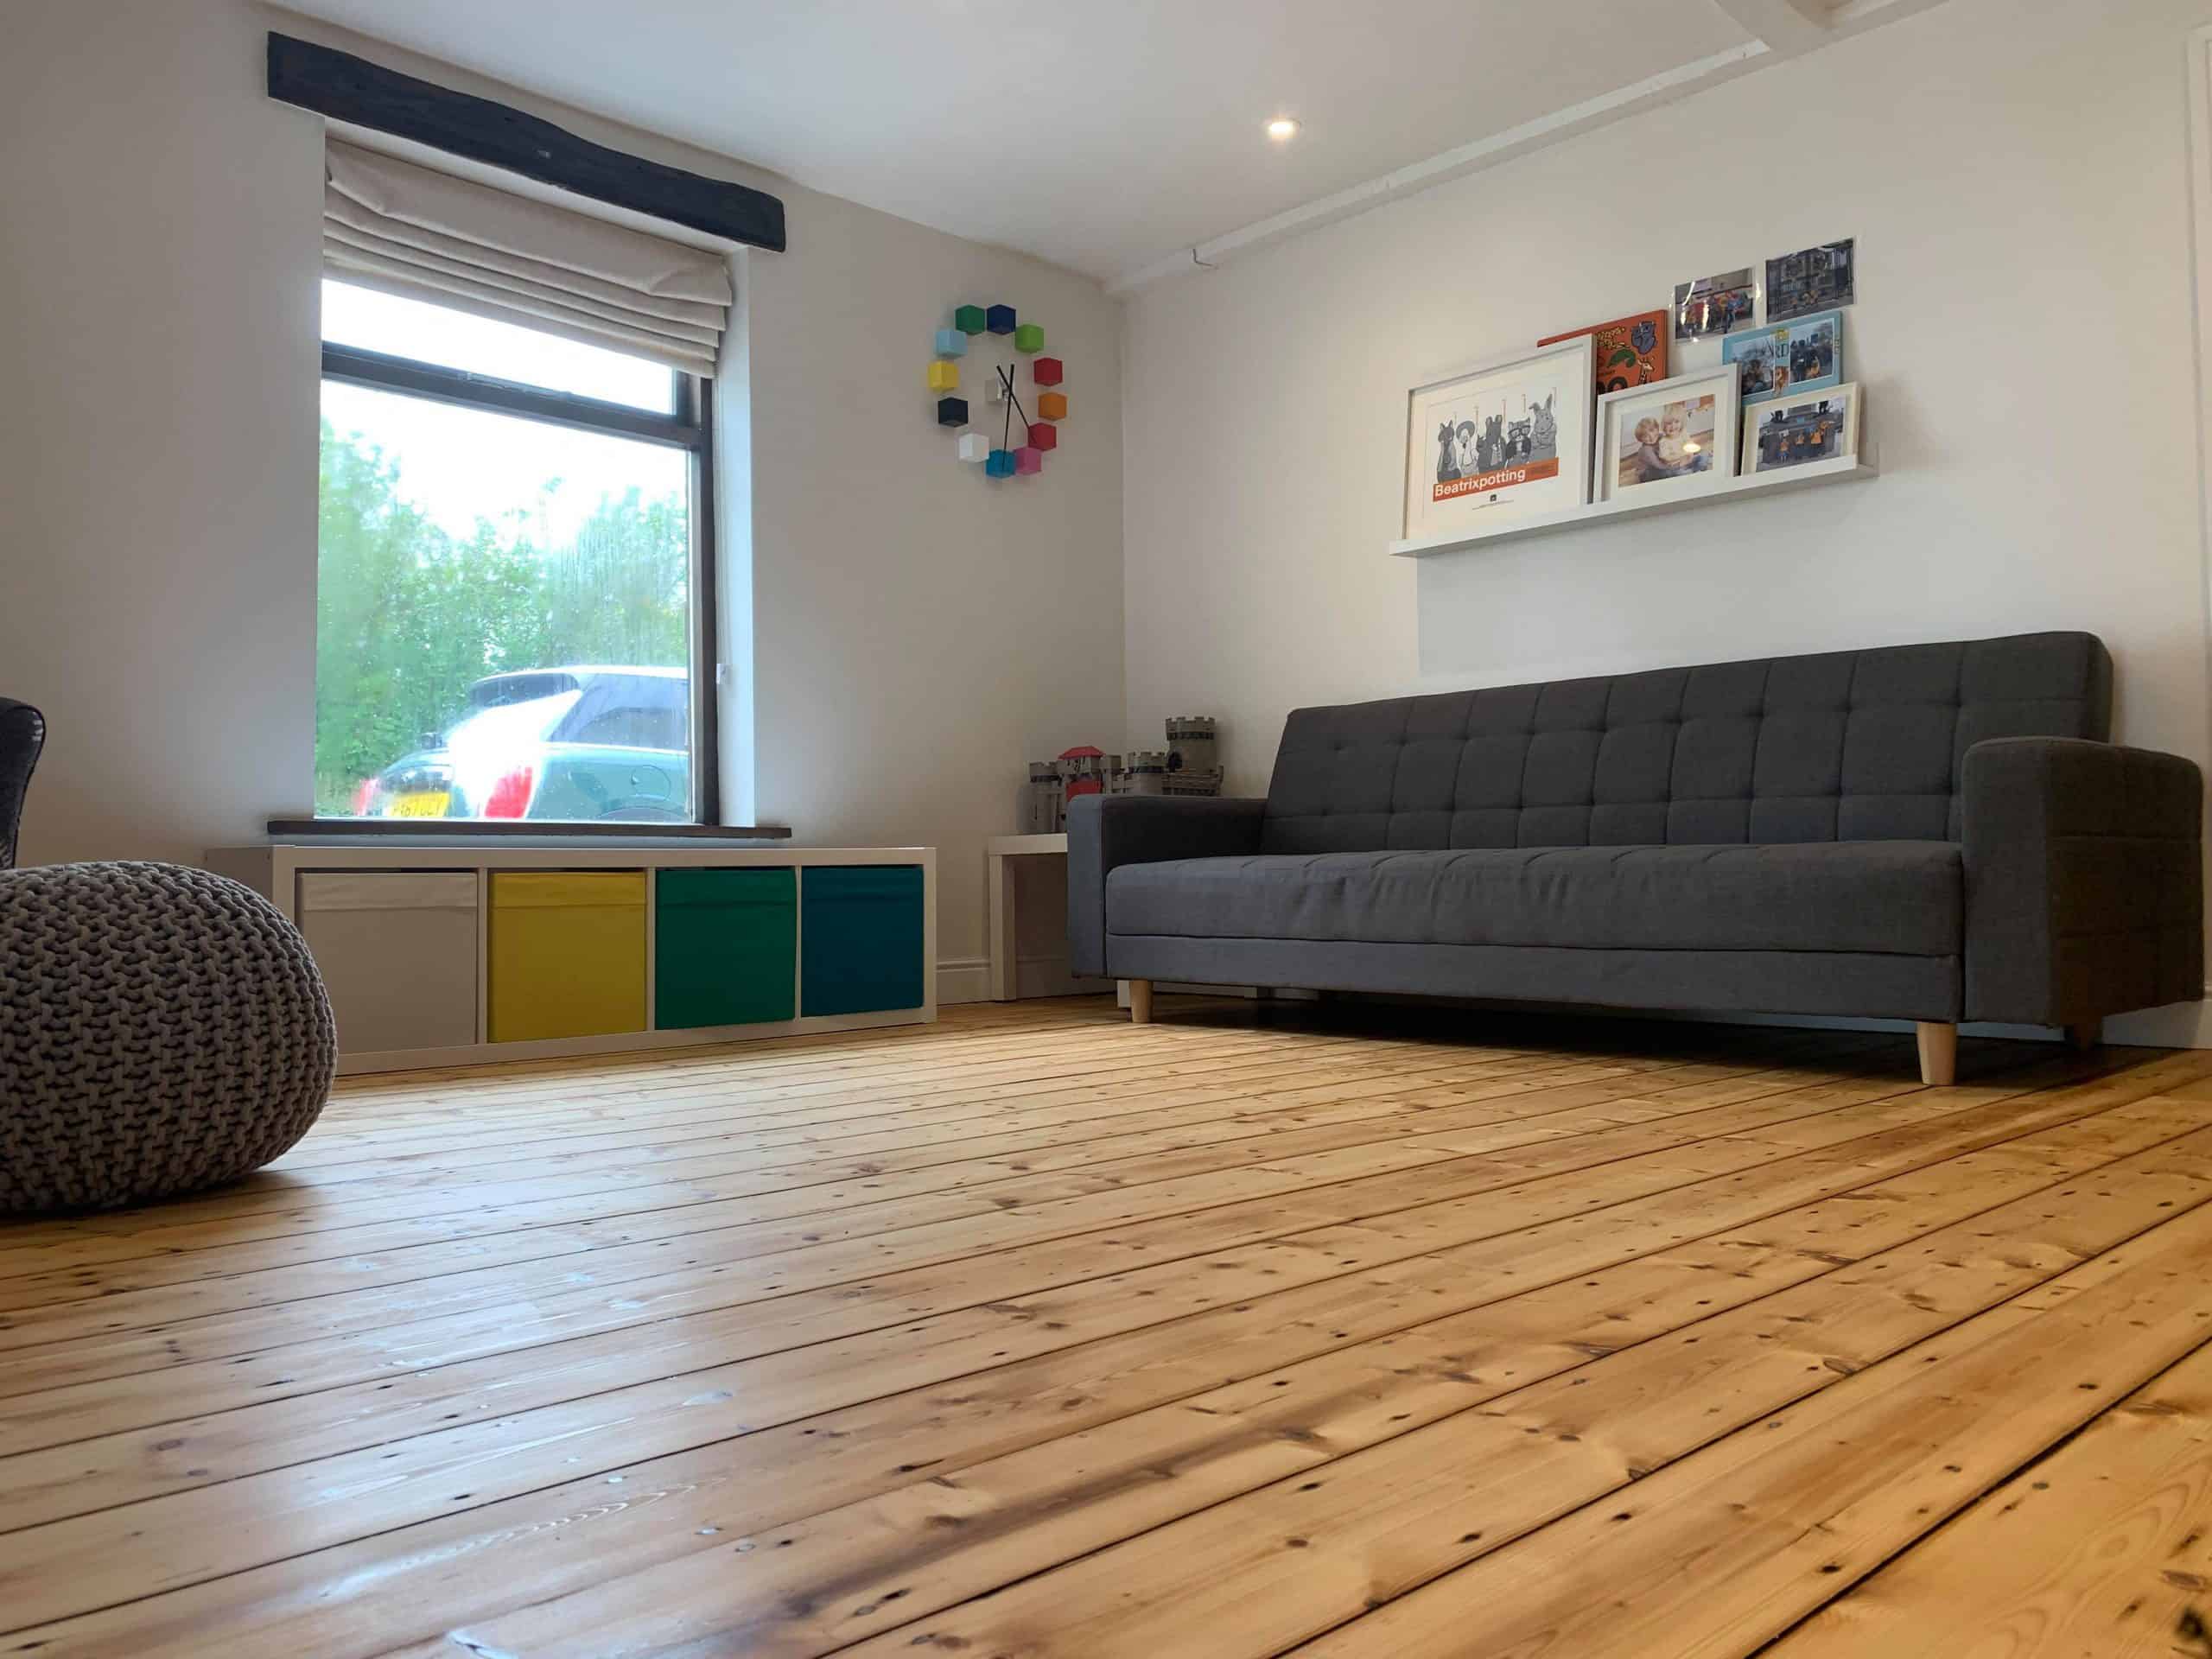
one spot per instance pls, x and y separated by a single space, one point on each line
1189 764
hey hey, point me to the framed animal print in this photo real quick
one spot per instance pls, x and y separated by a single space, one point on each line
1675 438
1508 439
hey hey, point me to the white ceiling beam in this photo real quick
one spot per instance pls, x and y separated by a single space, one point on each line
1498 148
1790 27
1855 17
1783 38
1785 27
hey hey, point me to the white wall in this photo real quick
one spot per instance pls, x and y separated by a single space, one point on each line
918 634
160 227
2017 173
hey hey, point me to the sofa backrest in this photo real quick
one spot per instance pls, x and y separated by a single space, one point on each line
1844 746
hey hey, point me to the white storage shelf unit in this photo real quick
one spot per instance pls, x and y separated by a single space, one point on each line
404 935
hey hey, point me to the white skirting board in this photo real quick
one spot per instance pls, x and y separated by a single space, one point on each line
2178 1025
965 979
968 979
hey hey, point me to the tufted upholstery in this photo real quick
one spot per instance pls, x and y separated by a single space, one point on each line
1927 832
1846 746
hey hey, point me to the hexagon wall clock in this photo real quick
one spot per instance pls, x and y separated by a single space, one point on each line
1026 433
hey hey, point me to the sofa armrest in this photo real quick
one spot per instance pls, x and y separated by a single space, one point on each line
2084 880
1106 831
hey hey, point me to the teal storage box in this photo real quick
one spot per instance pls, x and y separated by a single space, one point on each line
724 945
859 937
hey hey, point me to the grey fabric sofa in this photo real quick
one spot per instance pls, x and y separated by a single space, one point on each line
1933 833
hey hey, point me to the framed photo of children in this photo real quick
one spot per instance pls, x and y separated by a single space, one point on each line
1506 440
1798 430
1675 438
1805 355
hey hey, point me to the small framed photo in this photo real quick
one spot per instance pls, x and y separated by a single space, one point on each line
1713 305
1508 439
1805 355
1812 279
1798 430
1675 438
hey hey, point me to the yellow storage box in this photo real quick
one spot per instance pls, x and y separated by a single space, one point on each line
568 954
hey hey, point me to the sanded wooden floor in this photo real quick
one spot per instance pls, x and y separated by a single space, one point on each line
1347 1333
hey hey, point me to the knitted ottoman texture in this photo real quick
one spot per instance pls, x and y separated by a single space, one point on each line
161 1029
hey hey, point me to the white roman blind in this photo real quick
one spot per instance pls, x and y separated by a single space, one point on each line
388 224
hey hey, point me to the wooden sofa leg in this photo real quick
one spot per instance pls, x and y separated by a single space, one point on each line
2084 1035
1939 1053
1140 1002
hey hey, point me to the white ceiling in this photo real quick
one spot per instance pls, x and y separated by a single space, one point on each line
1099 134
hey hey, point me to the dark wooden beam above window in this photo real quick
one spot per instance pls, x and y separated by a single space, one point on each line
345 88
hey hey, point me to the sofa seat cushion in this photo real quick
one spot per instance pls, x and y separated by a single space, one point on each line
1895 897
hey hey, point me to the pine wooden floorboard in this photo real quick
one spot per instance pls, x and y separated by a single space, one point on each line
1261 1330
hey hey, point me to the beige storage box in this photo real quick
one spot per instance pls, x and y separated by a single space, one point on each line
398 951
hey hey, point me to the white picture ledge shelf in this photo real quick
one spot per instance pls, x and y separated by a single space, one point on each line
1841 470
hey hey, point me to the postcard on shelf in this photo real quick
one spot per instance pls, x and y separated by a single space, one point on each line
1796 431
1630 351
1713 305
1675 438
1811 279
1802 355
1505 441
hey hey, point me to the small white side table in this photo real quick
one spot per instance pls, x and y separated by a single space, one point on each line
1002 854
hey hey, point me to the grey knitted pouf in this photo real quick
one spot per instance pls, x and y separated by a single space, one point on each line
161 1029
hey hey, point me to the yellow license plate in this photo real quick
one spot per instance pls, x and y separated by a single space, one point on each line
422 804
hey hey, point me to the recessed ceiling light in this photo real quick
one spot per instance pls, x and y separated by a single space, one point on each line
1282 128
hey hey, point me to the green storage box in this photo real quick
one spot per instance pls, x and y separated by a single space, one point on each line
723 944
860 938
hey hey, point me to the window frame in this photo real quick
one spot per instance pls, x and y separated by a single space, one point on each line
691 427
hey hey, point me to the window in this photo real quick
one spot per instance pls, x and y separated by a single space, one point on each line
513 575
